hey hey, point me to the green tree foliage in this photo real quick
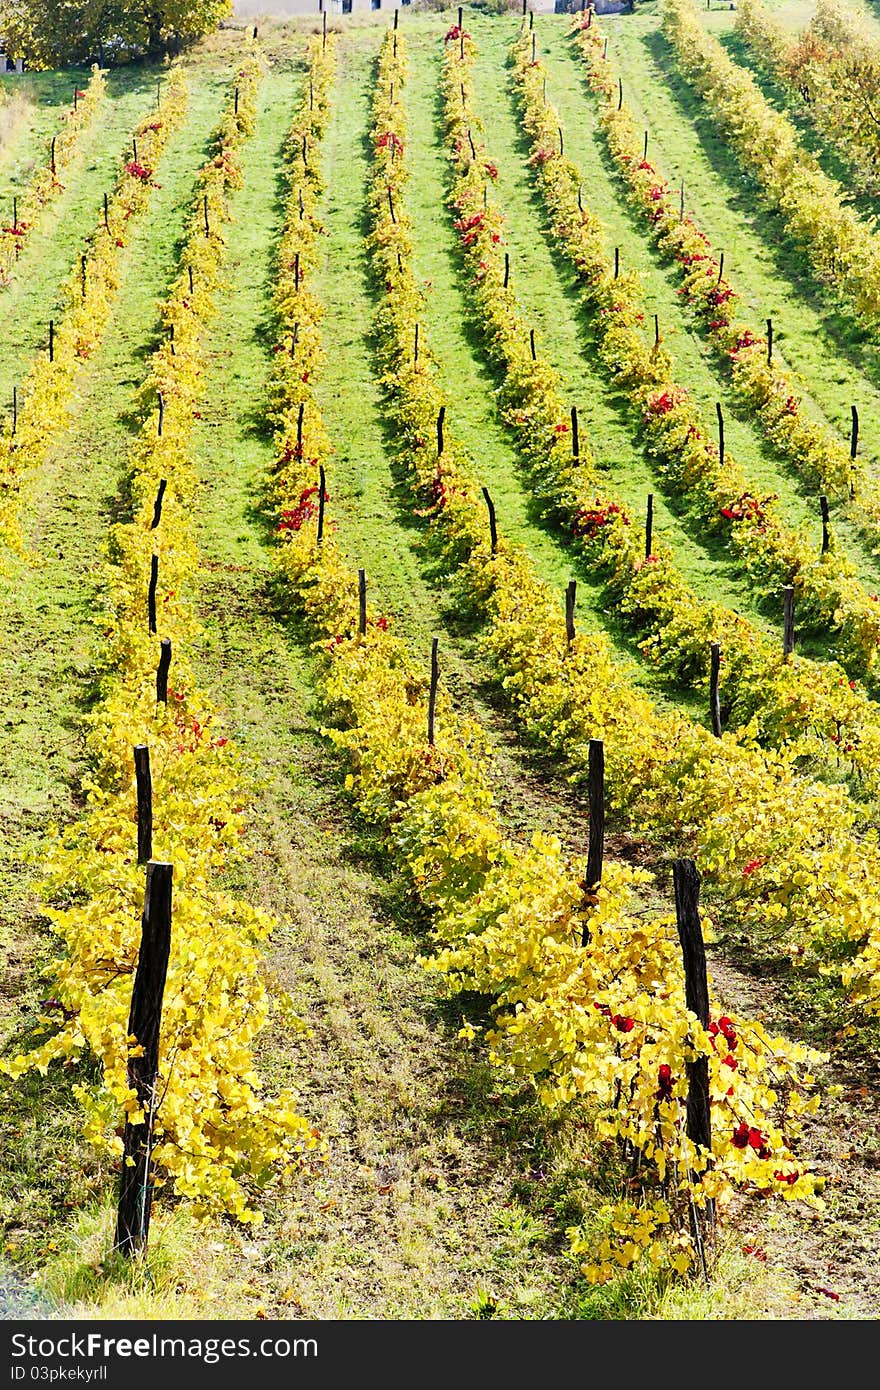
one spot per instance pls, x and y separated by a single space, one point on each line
56 33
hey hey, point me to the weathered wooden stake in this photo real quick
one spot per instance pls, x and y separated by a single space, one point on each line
690 933
294 339
506 268
53 154
134 149
144 1024
575 437
769 342
656 330
720 267
605 49
191 283
645 150
714 697
616 261
823 507
580 199
144 785
788 620
570 596
596 847
15 214
493 527
14 409
300 414
649 525
161 401
441 416
157 505
620 93
531 20
75 99
324 28
106 213
391 205
432 692
416 344
854 434
162 671
51 340
681 203
532 344
534 60
362 602
235 108
151 592
84 273
395 18
471 143
322 491
561 141
207 216
296 272
720 414
305 145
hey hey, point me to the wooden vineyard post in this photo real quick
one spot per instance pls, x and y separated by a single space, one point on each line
853 448
52 155
324 28
391 204
506 269
144 1024
235 106
714 697
721 268
769 341
441 416
561 142
157 505
134 148
720 414
162 671
14 409
302 206
296 270
619 93
207 215
416 344
106 213
580 199
15 214
191 283
151 592
51 340
570 596
161 401
681 203
84 273
649 525
686 880
645 150
300 415
493 527
656 331
432 691
596 847
322 492
531 16
144 784
362 602
575 436
616 261
823 507
532 344
788 620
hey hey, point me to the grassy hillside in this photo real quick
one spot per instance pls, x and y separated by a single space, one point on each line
447 1189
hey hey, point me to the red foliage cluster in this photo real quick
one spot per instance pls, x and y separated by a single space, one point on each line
664 401
745 1137
664 1078
389 139
469 228
590 521
136 170
746 508
306 508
